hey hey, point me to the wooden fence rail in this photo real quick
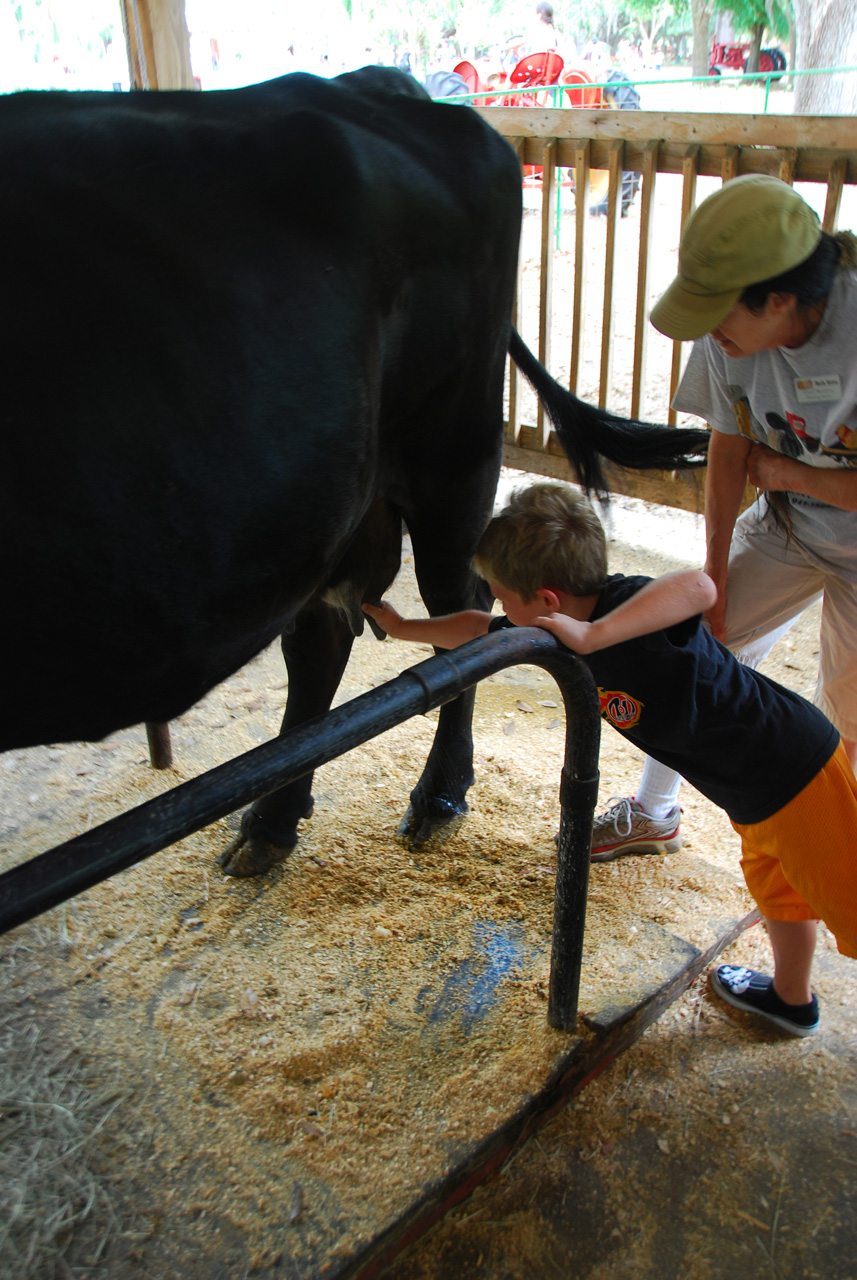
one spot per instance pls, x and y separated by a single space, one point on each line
805 149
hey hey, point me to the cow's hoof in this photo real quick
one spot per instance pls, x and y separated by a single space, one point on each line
433 823
253 851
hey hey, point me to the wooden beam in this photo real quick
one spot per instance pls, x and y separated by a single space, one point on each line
837 133
664 487
754 144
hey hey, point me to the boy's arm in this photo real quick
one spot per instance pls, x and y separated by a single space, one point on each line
446 632
658 605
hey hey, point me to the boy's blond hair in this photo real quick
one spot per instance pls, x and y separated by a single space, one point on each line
548 536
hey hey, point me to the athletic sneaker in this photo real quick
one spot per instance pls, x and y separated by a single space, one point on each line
754 993
625 828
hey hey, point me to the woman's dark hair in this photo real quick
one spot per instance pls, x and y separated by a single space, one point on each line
809 282
545 11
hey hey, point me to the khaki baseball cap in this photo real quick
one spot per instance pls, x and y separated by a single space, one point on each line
754 228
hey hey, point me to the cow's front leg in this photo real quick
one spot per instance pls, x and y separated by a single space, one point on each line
438 800
441 559
316 654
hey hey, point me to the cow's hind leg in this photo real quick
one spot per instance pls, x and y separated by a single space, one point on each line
438 800
316 655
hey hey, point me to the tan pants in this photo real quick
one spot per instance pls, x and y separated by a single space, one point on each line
771 582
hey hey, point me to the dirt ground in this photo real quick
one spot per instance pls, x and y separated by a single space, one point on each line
209 1077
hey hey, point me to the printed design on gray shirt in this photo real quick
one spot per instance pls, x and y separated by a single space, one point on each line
846 450
788 434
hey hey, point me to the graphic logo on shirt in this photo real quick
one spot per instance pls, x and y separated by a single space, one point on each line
619 708
846 451
798 426
743 416
748 424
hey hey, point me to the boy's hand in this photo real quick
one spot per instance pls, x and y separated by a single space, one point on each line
573 634
387 618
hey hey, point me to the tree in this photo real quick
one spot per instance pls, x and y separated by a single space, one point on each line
754 17
826 37
651 18
700 11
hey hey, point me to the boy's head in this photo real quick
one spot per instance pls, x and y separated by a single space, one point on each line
548 536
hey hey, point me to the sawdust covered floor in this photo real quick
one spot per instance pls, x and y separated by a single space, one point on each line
711 1150
190 1083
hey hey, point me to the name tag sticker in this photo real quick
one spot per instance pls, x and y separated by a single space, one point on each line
826 387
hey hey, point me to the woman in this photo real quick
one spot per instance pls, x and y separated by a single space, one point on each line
771 300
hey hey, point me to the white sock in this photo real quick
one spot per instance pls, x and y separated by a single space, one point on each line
658 789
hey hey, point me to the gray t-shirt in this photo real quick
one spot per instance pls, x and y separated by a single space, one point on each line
800 401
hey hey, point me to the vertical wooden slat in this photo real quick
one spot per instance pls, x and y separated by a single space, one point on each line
158 44
835 181
513 424
546 279
581 213
140 44
689 163
641 323
787 166
729 168
614 197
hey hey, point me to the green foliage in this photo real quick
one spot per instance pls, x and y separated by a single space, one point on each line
775 16
658 17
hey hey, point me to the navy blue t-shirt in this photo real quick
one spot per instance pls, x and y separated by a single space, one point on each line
743 740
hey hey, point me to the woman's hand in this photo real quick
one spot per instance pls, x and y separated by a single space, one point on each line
772 471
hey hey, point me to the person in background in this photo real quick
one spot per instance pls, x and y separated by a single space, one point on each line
771 303
539 35
543 33
676 691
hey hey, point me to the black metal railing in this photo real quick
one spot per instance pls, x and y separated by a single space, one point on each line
78 864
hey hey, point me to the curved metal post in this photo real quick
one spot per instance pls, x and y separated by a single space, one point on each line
70 868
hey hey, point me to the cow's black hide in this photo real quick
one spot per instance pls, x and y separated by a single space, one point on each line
245 336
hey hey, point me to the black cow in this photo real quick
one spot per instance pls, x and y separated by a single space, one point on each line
246 335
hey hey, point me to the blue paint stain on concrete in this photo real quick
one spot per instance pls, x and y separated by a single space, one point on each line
470 990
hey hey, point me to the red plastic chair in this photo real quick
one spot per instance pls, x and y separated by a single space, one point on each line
588 95
474 82
532 72
470 76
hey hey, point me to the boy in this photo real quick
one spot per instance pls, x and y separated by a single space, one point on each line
758 750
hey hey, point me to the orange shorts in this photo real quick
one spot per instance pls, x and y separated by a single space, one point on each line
801 863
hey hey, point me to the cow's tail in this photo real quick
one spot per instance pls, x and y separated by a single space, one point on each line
589 435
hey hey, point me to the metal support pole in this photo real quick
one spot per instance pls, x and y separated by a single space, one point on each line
57 875
160 745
